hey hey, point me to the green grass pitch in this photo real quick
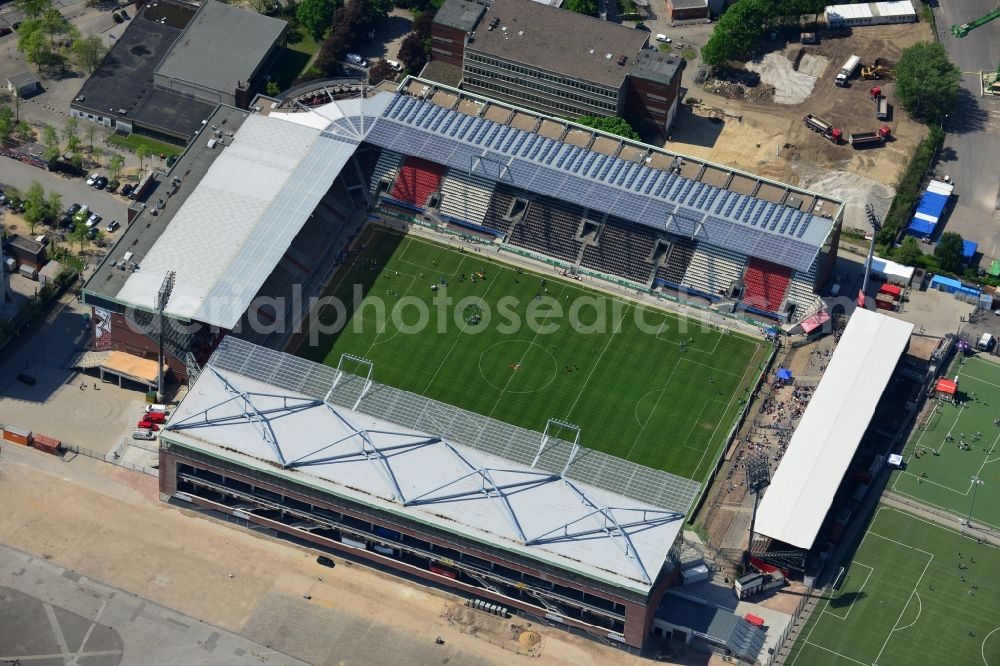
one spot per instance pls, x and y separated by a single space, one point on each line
653 392
902 601
944 479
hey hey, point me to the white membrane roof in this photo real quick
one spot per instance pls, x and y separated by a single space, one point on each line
426 479
802 490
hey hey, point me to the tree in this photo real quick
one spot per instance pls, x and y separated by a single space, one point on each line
315 16
588 7
79 234
949 252
70 135
908 253
54 24
53 206
618 126
50 139
115 163
738 29
34 204
24 132
142 152
272 89
6 124
381 71
91 133
411 53
33 8
89 52
926 81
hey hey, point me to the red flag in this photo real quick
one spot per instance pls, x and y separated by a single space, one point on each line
861 298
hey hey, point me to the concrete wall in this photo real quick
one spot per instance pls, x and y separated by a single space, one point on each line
447 44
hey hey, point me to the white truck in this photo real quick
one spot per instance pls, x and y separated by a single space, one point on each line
847 71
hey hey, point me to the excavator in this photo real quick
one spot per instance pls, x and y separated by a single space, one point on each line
875 71
964 29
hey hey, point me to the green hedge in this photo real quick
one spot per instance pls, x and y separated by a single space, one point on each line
908 190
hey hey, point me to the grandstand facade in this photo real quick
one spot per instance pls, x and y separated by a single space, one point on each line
332 460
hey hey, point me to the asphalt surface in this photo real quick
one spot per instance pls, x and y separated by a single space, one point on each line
73 190
973 141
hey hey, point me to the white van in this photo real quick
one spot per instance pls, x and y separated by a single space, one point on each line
986 342
663 39
142 433
162 409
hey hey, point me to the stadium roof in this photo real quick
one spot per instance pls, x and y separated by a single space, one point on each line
221 46
652 197
424 478
801 492
558 40
234 227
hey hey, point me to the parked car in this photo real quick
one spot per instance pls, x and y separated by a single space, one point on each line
127 189
92 178
93 220
92 234
72 210
113 226
156 417
4 31
80 216
663 38
112 186
395 65
147 424
142 433
356 59
101 182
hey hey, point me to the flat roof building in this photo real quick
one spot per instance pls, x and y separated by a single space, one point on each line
220 54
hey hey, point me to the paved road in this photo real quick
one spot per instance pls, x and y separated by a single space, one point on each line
20 175
973 141
51 615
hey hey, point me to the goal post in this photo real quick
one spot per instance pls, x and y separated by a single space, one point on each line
553 430
345 365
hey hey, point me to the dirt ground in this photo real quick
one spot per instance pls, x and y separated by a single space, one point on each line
771 140
108 524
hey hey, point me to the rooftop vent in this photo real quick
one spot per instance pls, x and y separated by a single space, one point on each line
607 56
591 51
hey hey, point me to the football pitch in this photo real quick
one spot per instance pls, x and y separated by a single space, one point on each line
642 384
915 593
939 471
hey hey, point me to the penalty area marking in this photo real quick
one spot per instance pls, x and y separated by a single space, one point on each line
826 610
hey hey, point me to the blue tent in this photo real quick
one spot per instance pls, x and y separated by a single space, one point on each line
929 210
784 374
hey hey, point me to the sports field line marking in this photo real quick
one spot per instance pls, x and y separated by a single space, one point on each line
385 323
653 411
915 585
982 650
933 483
951 510
607 345
527 350
978 379
402 260
677 318
458 337
920 609
861 589
708 446
705 365
940 527
825 649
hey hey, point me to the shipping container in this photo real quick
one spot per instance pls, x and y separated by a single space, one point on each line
16 435
388 534
46 444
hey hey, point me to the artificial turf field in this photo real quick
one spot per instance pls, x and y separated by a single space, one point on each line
944 479
665 397
902 601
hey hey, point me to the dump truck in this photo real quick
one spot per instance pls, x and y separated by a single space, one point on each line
864 139
820 126
847 71
881 107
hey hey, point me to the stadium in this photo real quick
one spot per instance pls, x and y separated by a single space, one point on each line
270 211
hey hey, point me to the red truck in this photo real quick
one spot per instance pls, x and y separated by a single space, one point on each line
820 126
865 139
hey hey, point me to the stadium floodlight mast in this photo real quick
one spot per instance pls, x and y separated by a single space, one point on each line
758 478
976 482
162 297
876 225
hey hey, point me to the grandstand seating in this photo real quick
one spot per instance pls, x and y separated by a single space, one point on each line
549 227
713 270
495 216
385 168
677 262
466 197
622 250
765 284
417 179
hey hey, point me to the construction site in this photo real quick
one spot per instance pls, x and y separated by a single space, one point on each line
754 118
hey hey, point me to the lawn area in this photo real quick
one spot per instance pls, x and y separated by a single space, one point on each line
944 479
642 384
293 59
903 600
133 141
